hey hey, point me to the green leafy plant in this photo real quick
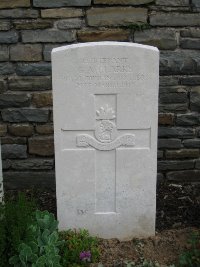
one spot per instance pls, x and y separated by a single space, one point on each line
78 247
15 216
139 26
41 247
2 237
191 258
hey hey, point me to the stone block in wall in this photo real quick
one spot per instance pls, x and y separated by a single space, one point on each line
21 129
188 43
14 151
192 143
195 98
32 24
14 100
172 165
48 36
190 80
172 98
184 176
191 32
42 100
8 37
72 23
14 3
29 179
188 119
3 85
61 13
44 129
180 62
33 69
173 2
5 25
25 115
182 153
122 2
13 140
32 164
180 107
169 143
6 68
4 53
3 129
27 52
60 3
168 80
174 19
18 13
161 38
103 35
29 83
165 119
196 3
176 132
116 16
6 164
173 89
160 154
41 146
168 9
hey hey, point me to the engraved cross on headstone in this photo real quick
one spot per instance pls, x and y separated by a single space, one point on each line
106 139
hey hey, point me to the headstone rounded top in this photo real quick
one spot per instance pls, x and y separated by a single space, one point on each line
106 43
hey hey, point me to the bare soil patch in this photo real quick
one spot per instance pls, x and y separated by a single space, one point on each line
163 248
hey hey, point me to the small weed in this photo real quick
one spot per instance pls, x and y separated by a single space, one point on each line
191 258
139 26
78 248
15 216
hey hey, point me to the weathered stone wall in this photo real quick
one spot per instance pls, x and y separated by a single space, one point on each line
29 29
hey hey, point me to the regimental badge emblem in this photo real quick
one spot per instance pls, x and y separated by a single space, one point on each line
105 132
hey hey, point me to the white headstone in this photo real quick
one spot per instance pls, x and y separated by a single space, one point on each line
105 118
1 178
